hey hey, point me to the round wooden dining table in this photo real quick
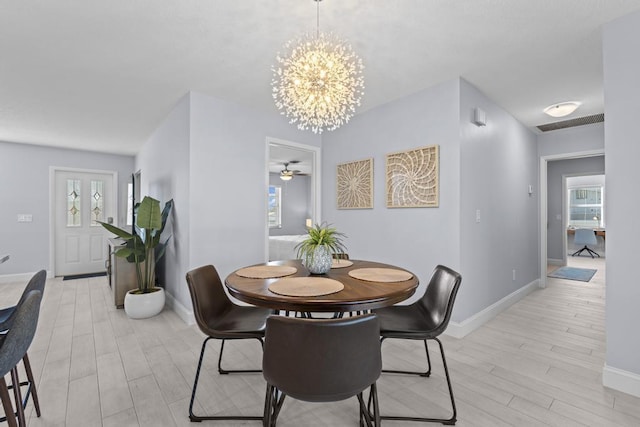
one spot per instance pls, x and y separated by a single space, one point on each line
357 294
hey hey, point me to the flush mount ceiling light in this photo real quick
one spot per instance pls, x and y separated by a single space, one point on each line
561 109
319 83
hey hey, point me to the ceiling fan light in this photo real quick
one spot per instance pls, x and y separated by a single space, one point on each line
562 109
286 175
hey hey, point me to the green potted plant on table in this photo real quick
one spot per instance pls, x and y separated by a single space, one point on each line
144 248
317 250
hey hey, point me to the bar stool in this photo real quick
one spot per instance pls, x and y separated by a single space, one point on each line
13 347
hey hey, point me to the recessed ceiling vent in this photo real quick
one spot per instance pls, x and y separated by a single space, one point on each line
580 121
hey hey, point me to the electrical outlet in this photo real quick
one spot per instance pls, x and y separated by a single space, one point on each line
477 215
25 218
514 274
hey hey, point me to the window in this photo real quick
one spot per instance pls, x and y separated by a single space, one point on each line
274 210
586 208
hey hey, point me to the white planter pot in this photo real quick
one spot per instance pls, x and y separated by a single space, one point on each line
320 262
142 306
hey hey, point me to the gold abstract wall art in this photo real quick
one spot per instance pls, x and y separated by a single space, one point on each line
354 183
412 178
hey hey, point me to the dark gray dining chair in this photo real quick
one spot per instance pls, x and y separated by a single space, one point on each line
424 320
219 318
13 347
7 318
37 283
321 360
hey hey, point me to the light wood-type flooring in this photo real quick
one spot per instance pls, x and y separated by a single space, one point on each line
537 363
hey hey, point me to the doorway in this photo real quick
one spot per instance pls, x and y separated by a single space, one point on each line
81 199
549 220
292 197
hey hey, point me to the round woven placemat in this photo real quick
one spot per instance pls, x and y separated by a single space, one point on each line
341 263
266 271
305 286
385 275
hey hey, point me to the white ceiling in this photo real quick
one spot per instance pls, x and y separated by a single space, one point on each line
298 159
101 75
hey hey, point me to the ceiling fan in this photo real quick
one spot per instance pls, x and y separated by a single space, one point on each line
286 174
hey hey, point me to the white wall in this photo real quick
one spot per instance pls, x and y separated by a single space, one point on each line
228 209
555 171
621 44
164 165
24 189
571 140
415 238
498 162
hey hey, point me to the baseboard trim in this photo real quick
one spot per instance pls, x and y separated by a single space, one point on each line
553 261
618 379
21 278
461 329
183 312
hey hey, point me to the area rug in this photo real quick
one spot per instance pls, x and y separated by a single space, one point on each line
573 273
84 276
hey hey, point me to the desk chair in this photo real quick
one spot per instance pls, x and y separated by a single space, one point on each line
321 360
424 320
585 236
13 347
219 318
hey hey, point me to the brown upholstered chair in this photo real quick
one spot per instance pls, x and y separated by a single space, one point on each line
424 320
321 360
220 318
13 347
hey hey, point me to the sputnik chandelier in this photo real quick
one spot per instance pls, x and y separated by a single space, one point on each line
320 83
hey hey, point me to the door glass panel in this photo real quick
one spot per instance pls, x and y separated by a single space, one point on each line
97 202
73 203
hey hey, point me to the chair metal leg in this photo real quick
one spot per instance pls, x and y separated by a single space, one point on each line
373 400
422 374
589 251
268 403
445 421
10 416
197 418
272 405
237 371
366 416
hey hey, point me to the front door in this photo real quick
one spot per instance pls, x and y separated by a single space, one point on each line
81 200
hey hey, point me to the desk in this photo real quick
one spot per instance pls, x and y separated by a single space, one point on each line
357 294
597 231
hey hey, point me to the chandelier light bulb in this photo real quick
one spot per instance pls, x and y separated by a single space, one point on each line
319 83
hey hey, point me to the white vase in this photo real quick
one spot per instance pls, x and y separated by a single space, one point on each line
143 306
319 262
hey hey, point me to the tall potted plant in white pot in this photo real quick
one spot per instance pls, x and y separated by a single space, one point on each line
144 248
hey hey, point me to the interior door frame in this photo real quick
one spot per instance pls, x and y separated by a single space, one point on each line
543 202
52 204
316 183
